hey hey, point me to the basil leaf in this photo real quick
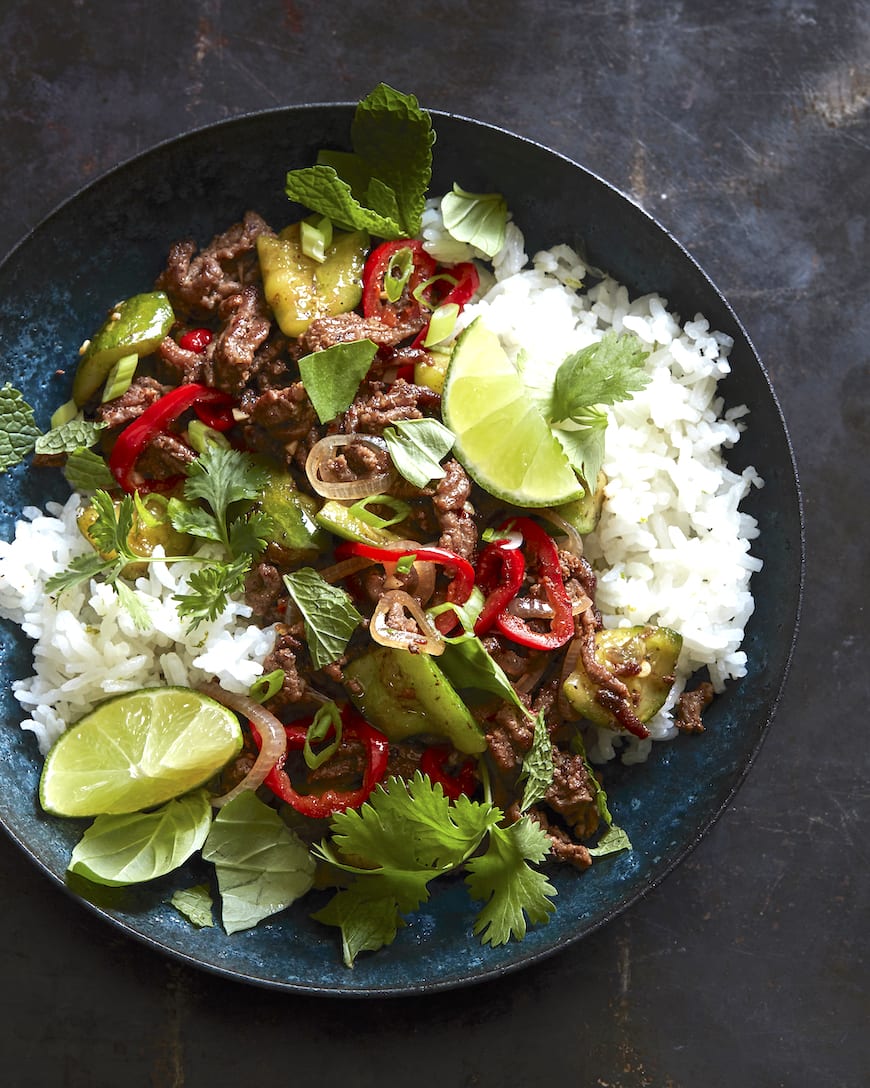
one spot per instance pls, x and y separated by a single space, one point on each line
195 904
262 866
479 219
331 377
327 611
139 846
417 446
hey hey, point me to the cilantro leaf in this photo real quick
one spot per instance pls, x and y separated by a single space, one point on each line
132 602
18 430
73 435
584 445
222 477
479 219
209 589
81 569
331 377
605 372
416 447
511 890
327 611
394 137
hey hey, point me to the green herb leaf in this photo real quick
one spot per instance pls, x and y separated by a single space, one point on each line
221 478
331 377
584 445
416 447
86 471
81 569
327 611
140 846
512 891
195 904
605 372
210 587
612 841
18 430
537 771
394 137
76 434
322 190
132 602
262 866
193 519
479 219
368 915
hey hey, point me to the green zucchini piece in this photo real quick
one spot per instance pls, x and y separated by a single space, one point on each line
653 649
583 513
300 288
407 695
134 327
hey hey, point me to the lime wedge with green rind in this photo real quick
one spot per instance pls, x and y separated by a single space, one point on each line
138 750
502 439
134 327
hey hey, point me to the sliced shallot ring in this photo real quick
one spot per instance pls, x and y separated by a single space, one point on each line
425 640
346 489
272 736
344 568
575 540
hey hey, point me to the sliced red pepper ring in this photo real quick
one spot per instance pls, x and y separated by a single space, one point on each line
459 589
320 806
543 559
195 340
375 297
500 573
432 763
154 421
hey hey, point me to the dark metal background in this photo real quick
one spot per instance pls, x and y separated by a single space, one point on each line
743 127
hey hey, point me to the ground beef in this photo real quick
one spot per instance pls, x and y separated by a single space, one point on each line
379 406
247 324
165 456
288 654
562 847
265 594
454 512
141 394
690 707
197 283
278 419
326 332
180 366
572 794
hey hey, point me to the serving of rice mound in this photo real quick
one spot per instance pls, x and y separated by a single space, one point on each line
672 547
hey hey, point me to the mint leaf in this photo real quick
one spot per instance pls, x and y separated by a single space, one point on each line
140 846
18 430
195 904
322 190
86 471
327 611
262 866
537 770
368 915
73 435
605 372
331 377
479 219
416 447
394 137
512 891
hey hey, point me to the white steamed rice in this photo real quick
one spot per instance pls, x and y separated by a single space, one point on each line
672 546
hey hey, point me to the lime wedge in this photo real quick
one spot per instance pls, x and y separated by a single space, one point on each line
138 750
502 439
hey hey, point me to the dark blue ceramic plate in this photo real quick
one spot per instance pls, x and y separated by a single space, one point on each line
109 241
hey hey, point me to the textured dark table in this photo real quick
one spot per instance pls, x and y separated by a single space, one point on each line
744 128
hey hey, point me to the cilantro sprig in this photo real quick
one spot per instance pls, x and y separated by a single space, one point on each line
218 493
408 834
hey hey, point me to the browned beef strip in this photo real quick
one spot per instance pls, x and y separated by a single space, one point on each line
454 512
379 406
571 793
278 420
265 593
691 705
562 847
141 394
197 283
286 654
180 366
248 322
326 332
166 455
357 460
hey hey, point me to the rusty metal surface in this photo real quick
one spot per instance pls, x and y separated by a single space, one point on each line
745 128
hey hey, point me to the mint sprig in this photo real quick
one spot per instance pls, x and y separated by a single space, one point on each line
18 429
